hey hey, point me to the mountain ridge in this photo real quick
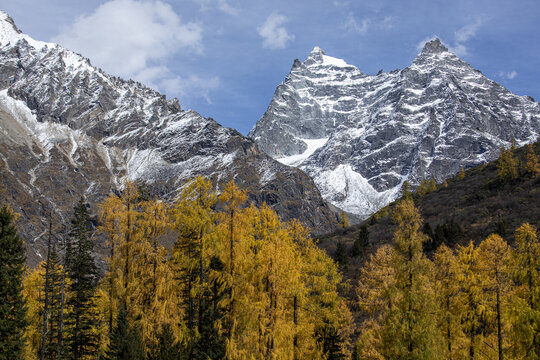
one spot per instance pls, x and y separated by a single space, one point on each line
361 136
67 129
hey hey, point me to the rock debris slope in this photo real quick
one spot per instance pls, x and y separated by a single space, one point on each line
67 130
361 136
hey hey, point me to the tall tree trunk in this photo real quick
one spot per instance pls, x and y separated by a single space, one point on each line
201 280
409 299
295 320
126 260
499 333
448 330
111 285
61 326
46 304
231 299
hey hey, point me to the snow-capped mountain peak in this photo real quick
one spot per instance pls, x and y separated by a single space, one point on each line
67 130
318 57
361 136
434 46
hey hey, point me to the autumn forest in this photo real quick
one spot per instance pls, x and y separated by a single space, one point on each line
239 283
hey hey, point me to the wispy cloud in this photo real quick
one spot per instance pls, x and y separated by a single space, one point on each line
274 34
191 86
508 75
388 22
463 35
353 26
366 24
133 39
221 5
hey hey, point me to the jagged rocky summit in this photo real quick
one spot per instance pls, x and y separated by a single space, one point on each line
68 130
361 136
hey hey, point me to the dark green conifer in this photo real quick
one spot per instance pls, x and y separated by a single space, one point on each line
165 349
81 340
361 243
53 296
330 341
12 304
125 342
341 254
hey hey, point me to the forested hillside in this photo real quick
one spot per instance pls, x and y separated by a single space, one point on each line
451 271
470 206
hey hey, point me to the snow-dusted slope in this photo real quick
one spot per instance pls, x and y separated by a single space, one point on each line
374 132
67 130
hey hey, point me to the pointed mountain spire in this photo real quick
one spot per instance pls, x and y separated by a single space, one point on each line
434 46
315 56
8 29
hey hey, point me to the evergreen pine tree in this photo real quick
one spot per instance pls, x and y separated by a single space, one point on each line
125 341
341 254
330 342
361 243
53 297
12 304
81 316
166 348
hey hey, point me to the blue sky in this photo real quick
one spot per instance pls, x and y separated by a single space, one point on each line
224 58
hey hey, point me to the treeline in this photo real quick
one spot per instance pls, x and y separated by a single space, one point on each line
238 284
474 302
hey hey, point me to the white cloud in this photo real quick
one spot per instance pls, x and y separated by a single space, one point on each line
508 75
362 27
388 22
192 86
352 25
221 5
341 3
275 36
463 35
133 39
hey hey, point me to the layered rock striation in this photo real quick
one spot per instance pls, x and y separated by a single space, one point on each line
361 136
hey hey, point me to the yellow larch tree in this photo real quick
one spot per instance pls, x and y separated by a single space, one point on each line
154 304
232 198
375 291
507 166
531 162
447 290
525 305
195 221
33 293
493 267
410 325
397 292
475 311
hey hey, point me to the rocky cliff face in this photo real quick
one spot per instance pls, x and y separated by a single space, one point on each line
361 136
68 130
